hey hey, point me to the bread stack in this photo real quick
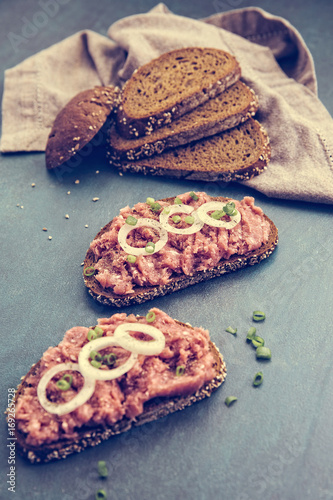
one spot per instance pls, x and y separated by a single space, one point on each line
186 114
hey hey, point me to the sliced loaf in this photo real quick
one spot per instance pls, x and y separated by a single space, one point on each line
236 154
233 106
172 85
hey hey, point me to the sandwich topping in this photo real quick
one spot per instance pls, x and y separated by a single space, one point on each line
154 241
141 358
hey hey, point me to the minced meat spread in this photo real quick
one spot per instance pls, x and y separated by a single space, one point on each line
185 254
150 377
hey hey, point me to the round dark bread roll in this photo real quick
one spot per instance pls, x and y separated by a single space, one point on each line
79 122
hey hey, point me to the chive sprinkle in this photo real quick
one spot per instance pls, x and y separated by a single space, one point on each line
194 196
257 341
189 219
102 469
150 200
155 206
99 331
63 384
91 335
232 330
95 364
180 370
258 379
178 201
230 400
100 495
176 219
109 359
96 356
263 353
150 317
217 215
150 247
251 333
131 259
258 316
131 220
89 271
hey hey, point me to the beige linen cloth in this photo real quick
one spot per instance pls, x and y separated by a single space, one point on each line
274 59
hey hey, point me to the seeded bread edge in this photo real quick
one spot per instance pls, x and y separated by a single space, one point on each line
196 132
178 282
153 410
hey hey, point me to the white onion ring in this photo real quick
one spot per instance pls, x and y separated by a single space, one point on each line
149 348
90 371
217 205
62 408
126 228
185 209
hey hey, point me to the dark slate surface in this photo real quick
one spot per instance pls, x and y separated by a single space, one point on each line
276 442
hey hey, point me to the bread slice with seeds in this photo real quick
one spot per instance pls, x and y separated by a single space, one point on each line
236 154
171 85
79 122
233 106
176 281
92 435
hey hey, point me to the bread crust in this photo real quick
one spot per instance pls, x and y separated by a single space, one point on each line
130 125
79 122
196 125
177 282
92 436
170 165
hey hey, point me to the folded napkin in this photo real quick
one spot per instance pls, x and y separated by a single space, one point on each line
274 59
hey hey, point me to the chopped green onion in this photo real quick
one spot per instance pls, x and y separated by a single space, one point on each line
194 196
131 220
258 316
150 200
96 356
180 370
166 210
102 469
155 206
217 215
230 400
189 219
150 317
258 379
131 259
95 364
68 378
176 219
91 335
232 330
89 271
150 247
99 331
263 353
251 333
178 201
257 341
229 208
109 359
63 384
100 495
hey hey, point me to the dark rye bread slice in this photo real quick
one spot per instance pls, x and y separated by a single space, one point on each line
106 296
92 436
233 106
79 122
171 85
233 155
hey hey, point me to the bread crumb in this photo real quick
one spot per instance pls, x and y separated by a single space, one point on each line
95 199
44 229
68 192
77 181
97 171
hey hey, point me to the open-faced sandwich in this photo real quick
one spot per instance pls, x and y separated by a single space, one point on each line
158 247
103 380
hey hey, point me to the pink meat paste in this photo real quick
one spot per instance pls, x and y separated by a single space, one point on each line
185 254
150 377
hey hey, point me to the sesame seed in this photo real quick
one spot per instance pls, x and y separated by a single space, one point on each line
50 237
33 185
68 192
97 171
77 181
86 225
95 199
21 206
66 216
44 229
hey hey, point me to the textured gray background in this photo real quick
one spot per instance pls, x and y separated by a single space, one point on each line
276 442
